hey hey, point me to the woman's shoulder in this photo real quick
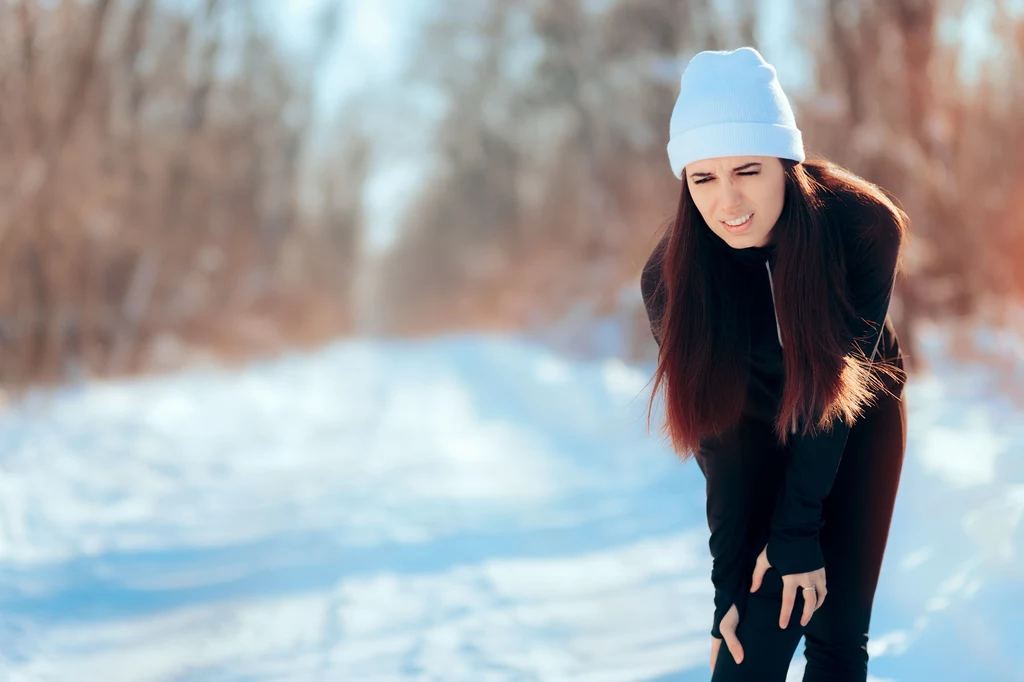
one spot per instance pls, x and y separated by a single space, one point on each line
651 289
872 230
650 276
872 236
868 219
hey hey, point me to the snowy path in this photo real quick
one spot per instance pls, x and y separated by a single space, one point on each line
470 508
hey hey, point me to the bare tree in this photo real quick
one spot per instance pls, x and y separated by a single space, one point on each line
152 184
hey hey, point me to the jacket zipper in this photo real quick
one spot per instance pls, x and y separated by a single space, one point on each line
778 328
877 341
881 327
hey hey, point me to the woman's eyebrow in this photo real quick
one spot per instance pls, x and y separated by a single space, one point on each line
738 168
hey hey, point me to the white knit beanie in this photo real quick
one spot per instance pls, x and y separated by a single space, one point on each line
731 104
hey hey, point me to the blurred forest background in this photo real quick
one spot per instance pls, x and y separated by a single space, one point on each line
171 191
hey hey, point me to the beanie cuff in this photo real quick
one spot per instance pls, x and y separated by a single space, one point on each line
734 139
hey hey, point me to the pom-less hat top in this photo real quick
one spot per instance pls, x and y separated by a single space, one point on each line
731 104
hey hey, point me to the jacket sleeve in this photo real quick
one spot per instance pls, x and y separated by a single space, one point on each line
728 490
725 463
814 460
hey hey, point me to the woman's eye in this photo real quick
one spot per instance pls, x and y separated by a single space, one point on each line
703 180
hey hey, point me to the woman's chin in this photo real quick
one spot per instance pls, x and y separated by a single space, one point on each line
740 241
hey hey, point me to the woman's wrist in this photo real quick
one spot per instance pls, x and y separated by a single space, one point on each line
789 556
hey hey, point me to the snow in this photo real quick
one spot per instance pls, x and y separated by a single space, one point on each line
476 508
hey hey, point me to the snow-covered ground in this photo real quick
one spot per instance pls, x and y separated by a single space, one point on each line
470 508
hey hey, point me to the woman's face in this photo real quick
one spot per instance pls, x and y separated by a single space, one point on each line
734 188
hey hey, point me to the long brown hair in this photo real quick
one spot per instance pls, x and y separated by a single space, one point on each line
703 361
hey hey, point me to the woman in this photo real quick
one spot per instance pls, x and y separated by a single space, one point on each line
781 371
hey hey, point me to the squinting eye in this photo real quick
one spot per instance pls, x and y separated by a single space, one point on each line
702 181
750 173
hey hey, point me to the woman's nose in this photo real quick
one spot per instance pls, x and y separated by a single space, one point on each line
731 195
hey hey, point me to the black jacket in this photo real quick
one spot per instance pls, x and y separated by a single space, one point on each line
813 460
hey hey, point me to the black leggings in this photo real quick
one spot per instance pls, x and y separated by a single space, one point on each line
856 515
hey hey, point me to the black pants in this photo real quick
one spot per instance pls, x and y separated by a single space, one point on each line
856 514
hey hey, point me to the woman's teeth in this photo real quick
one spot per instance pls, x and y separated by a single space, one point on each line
738 221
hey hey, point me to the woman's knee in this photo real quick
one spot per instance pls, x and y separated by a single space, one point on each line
835 656
767 648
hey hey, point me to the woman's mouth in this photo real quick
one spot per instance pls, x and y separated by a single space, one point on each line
734 226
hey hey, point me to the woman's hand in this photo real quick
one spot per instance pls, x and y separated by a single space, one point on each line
813 599
730 621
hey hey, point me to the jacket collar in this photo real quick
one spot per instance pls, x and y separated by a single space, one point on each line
754 255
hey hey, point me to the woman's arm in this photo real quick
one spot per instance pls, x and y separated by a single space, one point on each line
814 460
729 491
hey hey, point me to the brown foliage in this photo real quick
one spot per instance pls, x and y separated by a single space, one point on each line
150 189
552 185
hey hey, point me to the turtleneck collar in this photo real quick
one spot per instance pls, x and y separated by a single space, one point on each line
754 255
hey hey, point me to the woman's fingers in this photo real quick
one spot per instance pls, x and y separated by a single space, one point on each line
755 582
810 603
760 568
813 599
788 599
821 596
733 643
